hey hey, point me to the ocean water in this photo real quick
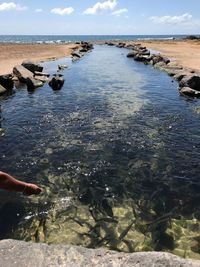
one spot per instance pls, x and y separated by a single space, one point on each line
75 38
116 152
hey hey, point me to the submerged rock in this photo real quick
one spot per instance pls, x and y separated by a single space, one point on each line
23 254
62 67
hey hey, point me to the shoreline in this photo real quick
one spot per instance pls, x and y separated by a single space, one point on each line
184 52
14 54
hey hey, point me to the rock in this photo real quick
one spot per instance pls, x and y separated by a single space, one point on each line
160 65
6 81
132 54
56 83
26 76
32 66
110 43
83 50
121 45
22 73
141 58
62 67
158 58
23 254
2 90
145 52
32 83
130 46
189 92
43 79
180 75
192 81
74 54
38 73
86 46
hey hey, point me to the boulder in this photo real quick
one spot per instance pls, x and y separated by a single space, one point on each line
192 81
86 46
158 58
132 53
129 46
56 83
83 50
6 81
23 254
22 73
189 92
179 75
43 79
62 67
77 55
145 52
32 83
110 43
141 58
121 45
2 90
32 66
39 73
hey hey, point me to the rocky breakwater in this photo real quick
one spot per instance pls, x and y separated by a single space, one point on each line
31 74
189 80
84 48
19 253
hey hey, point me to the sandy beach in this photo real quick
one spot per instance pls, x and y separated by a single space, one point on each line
14 54
185 53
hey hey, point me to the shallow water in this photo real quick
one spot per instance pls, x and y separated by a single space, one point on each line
117 153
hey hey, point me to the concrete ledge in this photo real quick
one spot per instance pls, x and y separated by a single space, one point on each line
19 253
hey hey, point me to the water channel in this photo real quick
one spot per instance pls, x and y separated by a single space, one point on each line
117 153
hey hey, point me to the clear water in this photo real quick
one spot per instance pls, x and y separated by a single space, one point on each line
116 152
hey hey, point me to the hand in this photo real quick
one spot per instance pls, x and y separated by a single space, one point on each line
32 189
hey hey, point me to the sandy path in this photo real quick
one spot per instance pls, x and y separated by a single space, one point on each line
14 54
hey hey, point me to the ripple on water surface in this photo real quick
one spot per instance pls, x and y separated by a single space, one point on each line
117 153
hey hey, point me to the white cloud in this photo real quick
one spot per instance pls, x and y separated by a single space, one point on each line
119 12
62 11
101 6
11 6
38 10
172 19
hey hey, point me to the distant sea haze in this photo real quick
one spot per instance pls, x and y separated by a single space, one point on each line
76 38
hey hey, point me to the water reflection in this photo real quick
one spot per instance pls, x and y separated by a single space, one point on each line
117 152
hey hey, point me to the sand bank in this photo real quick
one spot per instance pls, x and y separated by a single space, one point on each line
14 54
185 53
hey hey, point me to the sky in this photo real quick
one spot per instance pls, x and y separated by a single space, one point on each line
103 17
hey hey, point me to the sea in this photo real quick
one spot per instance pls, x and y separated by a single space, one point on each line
76 38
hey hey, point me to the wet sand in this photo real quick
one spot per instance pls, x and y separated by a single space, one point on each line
14 54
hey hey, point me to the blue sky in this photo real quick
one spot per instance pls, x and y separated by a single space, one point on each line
100 17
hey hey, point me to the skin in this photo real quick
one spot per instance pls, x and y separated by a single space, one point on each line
9 183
